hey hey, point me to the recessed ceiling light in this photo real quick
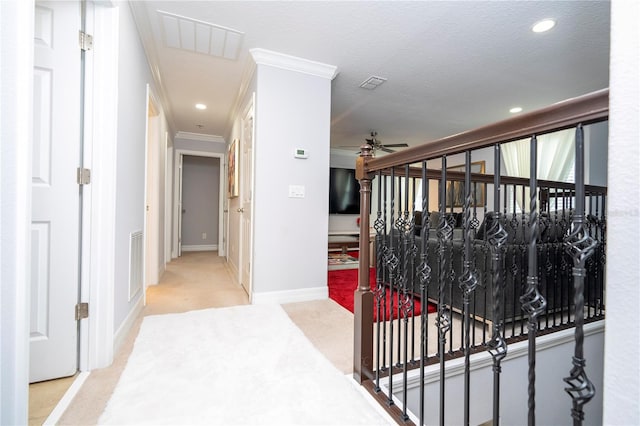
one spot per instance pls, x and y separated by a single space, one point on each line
201 106
544 25
515 110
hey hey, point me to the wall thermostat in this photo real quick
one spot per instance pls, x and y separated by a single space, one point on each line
301 153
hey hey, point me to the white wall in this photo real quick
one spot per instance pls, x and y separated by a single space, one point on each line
290 239
622 340
553 404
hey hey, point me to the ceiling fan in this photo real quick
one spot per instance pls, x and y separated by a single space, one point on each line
377 144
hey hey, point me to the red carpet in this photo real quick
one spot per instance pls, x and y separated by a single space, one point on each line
343 283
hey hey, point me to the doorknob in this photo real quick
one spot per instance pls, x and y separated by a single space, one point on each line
240 210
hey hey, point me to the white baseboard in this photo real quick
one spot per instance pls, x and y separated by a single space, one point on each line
66 399
126 325
204 247
290 296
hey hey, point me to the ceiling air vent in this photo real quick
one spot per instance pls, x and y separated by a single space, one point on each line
372 82
198 36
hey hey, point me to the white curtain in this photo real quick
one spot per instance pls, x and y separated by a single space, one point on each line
556 158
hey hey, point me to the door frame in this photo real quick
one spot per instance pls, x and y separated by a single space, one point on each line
98 216
177 179
99 200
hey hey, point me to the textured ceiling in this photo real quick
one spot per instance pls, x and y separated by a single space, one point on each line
450 65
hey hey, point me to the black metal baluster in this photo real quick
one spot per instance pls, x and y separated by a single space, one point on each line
379 225
580 246
603 249
424 274
443 321
412 275
392 262
497 237
400 226
532 301
385 273
407 231
468 283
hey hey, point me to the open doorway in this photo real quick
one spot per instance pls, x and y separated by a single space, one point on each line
198 202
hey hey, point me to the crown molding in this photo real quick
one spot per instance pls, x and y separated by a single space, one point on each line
200 137
293 63
146 36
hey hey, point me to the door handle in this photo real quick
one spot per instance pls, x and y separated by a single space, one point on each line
240 210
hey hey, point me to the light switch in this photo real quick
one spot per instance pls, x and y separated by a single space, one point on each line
296 191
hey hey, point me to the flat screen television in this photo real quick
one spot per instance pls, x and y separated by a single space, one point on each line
344 191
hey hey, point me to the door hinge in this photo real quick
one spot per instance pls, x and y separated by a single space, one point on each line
85 40
82 311
84 176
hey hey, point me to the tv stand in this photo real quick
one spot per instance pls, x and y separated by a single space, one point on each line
345 240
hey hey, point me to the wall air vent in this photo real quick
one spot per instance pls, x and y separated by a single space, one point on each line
180 32
372 82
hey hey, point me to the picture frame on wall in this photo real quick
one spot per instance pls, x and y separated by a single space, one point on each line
455 189
232 161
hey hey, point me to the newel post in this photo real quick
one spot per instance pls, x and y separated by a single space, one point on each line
363 297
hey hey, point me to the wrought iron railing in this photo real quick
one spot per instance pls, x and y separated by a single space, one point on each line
502 258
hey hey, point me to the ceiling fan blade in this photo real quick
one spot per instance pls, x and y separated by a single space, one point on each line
404 145
385 149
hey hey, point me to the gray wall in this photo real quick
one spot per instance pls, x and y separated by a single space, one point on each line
200 192
134 73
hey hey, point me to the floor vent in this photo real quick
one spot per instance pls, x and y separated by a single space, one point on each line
135 263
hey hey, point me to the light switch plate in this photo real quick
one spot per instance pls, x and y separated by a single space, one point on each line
296 191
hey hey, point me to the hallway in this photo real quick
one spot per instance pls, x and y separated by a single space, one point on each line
200 280
196 280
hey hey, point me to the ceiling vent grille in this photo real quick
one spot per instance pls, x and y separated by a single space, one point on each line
200 37
372 82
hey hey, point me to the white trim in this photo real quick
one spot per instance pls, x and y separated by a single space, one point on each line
247 75
221 194
293 63
202 247
200 137
16 104
290 296
66 399
140 16
124 329
480 360
96 333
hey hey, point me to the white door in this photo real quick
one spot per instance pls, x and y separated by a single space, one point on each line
152 192
246 193
55 225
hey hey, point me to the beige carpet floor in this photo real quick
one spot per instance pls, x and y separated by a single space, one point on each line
200 280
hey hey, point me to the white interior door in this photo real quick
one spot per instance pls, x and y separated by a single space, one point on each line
152 192
180 208
55 228
246 170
